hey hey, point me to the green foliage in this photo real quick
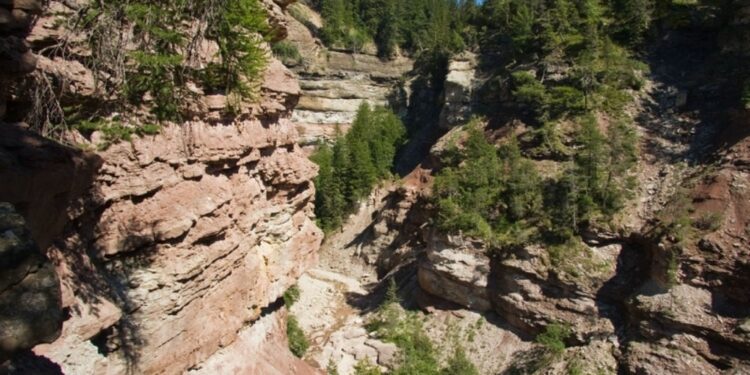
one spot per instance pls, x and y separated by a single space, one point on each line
745 98
673 267
291 296
113 131
493 194
364 367
575 367
391 294
415 25
554 336
634 18
459 364
298 343
597 184
532 93
709 221
497 195
286 52
392 324
405 329
153 68
355 163
332 370
239 32
418 352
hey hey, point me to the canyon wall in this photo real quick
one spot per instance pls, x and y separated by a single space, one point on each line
174 247
335 83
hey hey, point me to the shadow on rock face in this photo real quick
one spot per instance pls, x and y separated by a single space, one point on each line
30 298
30 363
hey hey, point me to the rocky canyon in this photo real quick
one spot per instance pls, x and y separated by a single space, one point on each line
216 229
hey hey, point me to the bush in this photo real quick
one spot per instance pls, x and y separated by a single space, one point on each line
709 221
554 336
531 93
114 131
298 343
364 367
286 52
291 296
459 364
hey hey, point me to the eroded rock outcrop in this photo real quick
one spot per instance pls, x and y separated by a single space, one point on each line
335 83
458 90
186 237
456 270
259 349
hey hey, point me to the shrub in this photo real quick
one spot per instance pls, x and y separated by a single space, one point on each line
291 296
114 131
532 93
286 52
554 336
364 367
331 369
298 343
709 221
459 364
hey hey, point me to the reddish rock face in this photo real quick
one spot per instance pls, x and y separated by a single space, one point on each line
185 238
179 242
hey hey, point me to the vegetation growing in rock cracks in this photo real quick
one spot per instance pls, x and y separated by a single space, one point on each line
355 163
554 336
148 50
298 343
291 296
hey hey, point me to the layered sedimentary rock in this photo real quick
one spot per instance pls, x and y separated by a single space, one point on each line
458 90
186 237
335 83
181 241
456 270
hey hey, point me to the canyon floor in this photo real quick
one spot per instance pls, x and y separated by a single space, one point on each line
339 296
